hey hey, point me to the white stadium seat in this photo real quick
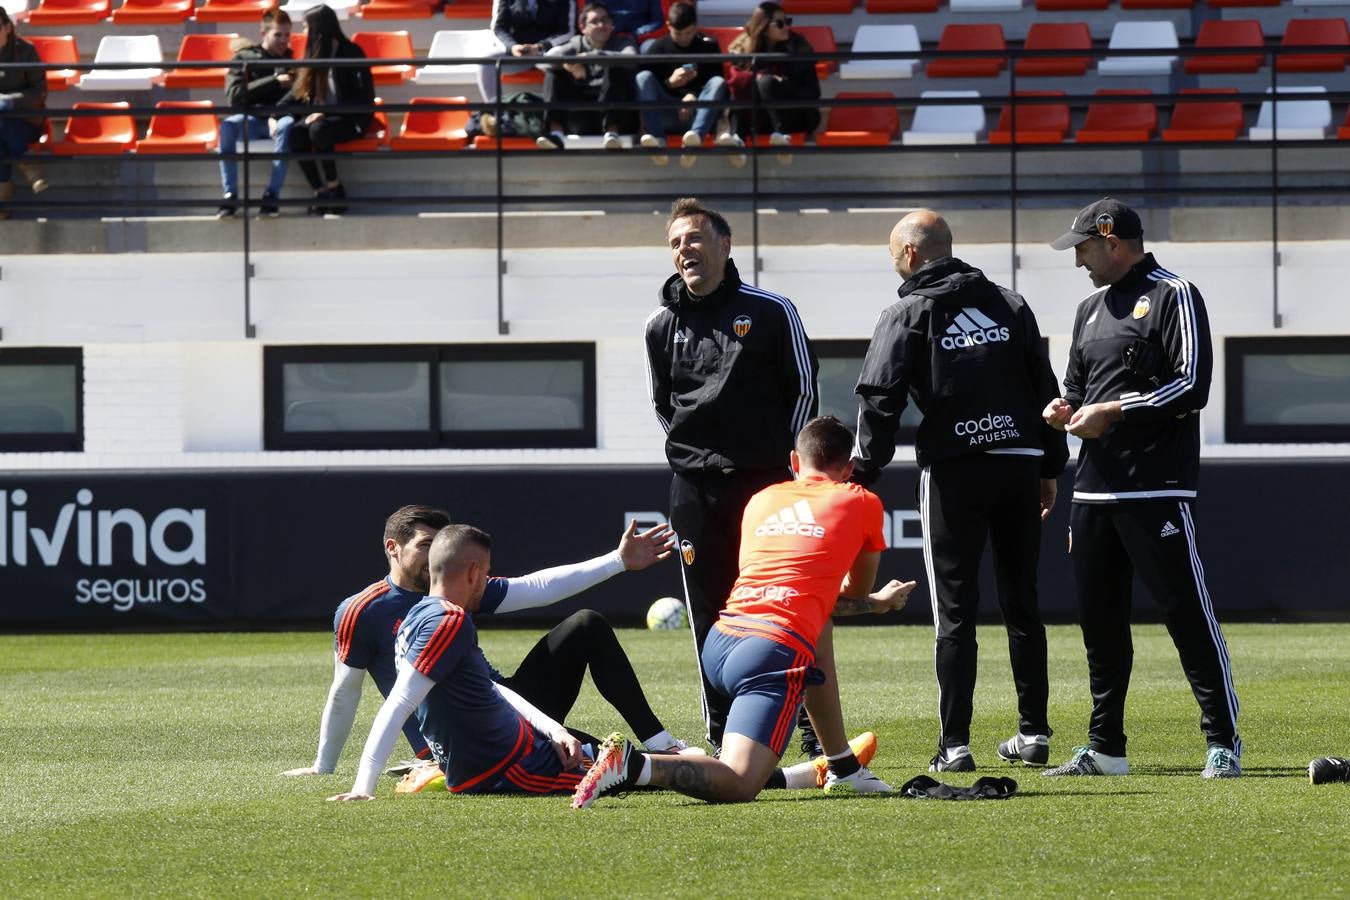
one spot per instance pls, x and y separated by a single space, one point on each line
960 6
296 9
881 39
132 48
946 124
451 44
1297 120
1153 35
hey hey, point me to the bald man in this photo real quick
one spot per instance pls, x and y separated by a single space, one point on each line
970 355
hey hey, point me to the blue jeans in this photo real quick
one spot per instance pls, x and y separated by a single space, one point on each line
663 121
15 136
255 128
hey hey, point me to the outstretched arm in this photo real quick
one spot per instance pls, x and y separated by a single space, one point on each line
409 691
339 712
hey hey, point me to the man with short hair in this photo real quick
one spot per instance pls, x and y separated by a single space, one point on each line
527 29
567 83
1138 375
551 673
808 547
732 380
263 87
969 353
676 86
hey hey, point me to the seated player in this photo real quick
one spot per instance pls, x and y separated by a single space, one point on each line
551 673
803 544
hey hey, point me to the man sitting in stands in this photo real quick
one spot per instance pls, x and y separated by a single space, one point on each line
527 28
258 87
582 82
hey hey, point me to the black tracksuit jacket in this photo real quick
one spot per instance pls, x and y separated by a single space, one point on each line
1145 342
969 354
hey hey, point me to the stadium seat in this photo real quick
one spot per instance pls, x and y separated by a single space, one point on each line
111 133
16 9
1035 123
723 34
1344 131
1313 33
1108 123
942 123
818 7
457 45
982 37
56 48
375 138
1152 35
861 126
432 128
186 132
1157 4
1227 33
202 48
468 9
397 9
881 7
1296 120
386 45
1047 36
1000 6
152 12
739 9
296 9
233 11
1205 120
881 39
487 142
821 38
298 42
116 48
1071 5
70 12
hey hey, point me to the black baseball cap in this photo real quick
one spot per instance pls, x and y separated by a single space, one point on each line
1106 216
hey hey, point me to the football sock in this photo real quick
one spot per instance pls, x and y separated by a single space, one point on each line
844 764
800 777
662 740
644 769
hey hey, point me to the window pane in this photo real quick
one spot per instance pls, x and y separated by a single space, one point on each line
1296 389
838 377
357 396
37 399
513 395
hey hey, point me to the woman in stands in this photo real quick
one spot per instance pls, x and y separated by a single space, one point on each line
769 31
319 87
20 89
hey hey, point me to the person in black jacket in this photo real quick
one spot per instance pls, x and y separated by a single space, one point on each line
969 352
732 379
317 86
527 28
261 87
1138 376
20 89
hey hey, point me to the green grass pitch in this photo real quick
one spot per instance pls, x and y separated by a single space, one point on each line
147 765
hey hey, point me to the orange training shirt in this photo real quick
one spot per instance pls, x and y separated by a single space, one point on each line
798 541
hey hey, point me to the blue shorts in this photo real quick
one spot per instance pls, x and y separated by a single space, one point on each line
540 772
763 668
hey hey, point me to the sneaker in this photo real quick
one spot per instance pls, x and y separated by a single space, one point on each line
1087 761
953 759
778 139
403 767
727 139
1327 769
864 746
551 141
691 139
860 782
651 142
269 206
1031 749
228 205
425 778
1220 762
611 141
678 747
609 772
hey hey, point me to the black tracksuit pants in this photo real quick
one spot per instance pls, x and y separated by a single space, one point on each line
705 511
1156 538
964 503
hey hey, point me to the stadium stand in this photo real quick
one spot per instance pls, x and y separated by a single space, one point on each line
125 48
110 132
1293 120
1033 123
943 123
1111 123
397 9
1071 5
152 12
871 38
1159 34
433 126
296 9
1314 33
70 12
882 7
1056 36
386 45
232 10
970 37
994 6
375 138
201 48
457 44
186 132
1205 120
57 48
468 9
861 126
1215 33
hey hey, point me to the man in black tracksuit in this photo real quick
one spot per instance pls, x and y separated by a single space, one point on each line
1138 376
969 352
733 379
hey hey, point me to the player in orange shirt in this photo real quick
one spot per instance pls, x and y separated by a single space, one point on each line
809 548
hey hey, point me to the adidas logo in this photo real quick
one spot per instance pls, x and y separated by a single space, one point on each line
795 519
1168 530
679 337
971 328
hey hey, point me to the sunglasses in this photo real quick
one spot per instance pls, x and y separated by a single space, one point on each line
781 23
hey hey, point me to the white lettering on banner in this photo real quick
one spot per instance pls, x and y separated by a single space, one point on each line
16 534
645 519
125 593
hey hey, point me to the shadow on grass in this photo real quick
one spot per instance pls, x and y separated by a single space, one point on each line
1193 772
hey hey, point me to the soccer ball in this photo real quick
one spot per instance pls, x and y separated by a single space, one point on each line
666 614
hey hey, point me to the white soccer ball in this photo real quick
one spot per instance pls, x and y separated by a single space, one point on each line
666 614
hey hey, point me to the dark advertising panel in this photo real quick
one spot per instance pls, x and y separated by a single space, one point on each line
132 550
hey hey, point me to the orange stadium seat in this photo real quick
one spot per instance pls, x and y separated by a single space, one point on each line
880 7
152 12
1314 33
57 48
433 129
821 38
110 134
1070 5
818 7
375 138
861 126
487 142
1056 36
1344 131
468 9
1036 123
386 45
1228 33
201 48
397 9
233 10
1205 120
188 132
298 44
969 37
70 12
1119 122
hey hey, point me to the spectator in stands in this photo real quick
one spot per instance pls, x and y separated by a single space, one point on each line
636 18
676 86
581 82
770 31
318 86
20 89
527 28
259 87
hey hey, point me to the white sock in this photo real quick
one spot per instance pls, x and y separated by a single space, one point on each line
800 776
645 777
662 740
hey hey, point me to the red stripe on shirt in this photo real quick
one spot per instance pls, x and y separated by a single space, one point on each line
440 639
347 627
523 740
